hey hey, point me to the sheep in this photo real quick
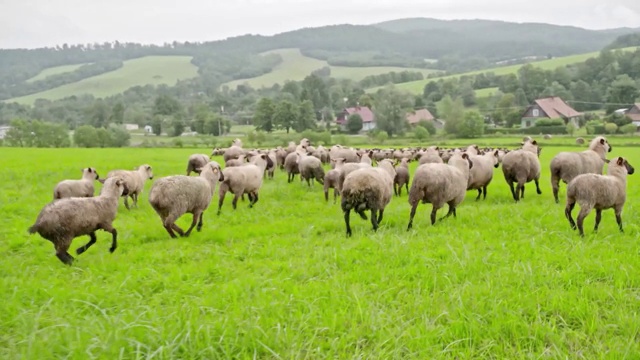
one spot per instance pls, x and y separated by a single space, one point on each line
281 154
431 155
196 161
368 189
600 192
365 157
242 159
332 180
547 137
245 179
217 152
482 173
349 155
522 166
274 159
173 196
322 154
134 182
440 184
63 220
402 177
291 166
567 165
77 188
234 151
310 167
579 141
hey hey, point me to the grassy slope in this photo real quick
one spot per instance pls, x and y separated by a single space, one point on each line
296 66
146 70
416 87
54 71
282 281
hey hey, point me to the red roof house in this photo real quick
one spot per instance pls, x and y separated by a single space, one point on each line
368 118
551 107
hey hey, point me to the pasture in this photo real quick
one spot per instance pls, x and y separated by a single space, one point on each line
148 70
281 280
295 67
54 71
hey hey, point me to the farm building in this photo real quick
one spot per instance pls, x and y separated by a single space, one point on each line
414 117
632 113
368 118
148 129
130 127
551 107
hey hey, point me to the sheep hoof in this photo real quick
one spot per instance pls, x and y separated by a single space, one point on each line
111 250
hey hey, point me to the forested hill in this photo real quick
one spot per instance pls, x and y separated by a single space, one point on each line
419 43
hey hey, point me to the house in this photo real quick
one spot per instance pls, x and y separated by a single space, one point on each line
148 129
414 117
368 118
3 131
551 107
632 113
130 127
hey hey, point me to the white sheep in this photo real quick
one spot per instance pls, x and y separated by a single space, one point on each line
310 168
173 196
245 179
440 184
196 161
134 182
77 188
62 220
522 166
567 165
482 172
600 192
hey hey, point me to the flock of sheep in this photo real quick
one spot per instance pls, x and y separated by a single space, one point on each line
442 177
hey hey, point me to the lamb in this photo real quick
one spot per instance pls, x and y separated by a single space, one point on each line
245 179
310 167
134 182
482 173
196 161
332 180
568 165
600 192
236 162
173 196
77 188
63 220
440 184
522 166
402 177
368 189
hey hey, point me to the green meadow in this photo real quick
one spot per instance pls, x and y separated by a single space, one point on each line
55 71
503 280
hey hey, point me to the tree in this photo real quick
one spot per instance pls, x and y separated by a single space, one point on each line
354 123
85 136
119 136
264 115
99 114
166 105
521 98
285 115
453 113
610 128
391 109
628 129
420 133
292 88
623 90
428 125
571 129
214 124
103 138
306 117
177 125
468 94
472 125
366 100
117 113
315 89
156 125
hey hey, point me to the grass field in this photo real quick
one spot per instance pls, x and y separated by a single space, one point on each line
487 92
54 71
281 280
296 66
151 70
416 87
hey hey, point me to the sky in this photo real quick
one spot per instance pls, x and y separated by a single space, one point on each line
37 23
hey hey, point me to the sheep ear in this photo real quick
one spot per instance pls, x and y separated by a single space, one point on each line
496 152
534 142
602 141
620 161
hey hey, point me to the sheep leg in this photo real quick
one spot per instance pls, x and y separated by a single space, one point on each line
584 211
84 248
618 211
61 251
598 218
406 186
479 194
170 230
434 210
452 211
126 202
221 194
567 213
194 221
335 194
484 192
374 220
114 237
395 189
538 191
555 186
235 199
346 221
380 216
177 229
326 194
200 222
513 192
414 206
255 199
134 196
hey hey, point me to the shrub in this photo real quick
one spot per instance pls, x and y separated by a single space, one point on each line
428 125
610 128
628 129
549 122
420 133
354 123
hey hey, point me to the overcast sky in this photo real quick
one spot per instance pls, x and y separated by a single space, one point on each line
36 23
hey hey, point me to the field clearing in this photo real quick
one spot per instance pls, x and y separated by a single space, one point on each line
281 280
296 67
148 70
416 87
54 71
486 92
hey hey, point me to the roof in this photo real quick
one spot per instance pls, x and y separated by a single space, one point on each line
634 112
416 116
365 113
556 108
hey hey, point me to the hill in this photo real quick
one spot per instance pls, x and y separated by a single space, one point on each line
295 66
416 87
153 70
56 70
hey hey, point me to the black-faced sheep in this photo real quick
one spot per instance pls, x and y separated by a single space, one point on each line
77 188
62 220
522 166
368 188
440 184
173 196
600 192
567 165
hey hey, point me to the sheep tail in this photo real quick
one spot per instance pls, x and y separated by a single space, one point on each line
33 229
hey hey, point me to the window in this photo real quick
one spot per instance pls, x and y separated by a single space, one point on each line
536 112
